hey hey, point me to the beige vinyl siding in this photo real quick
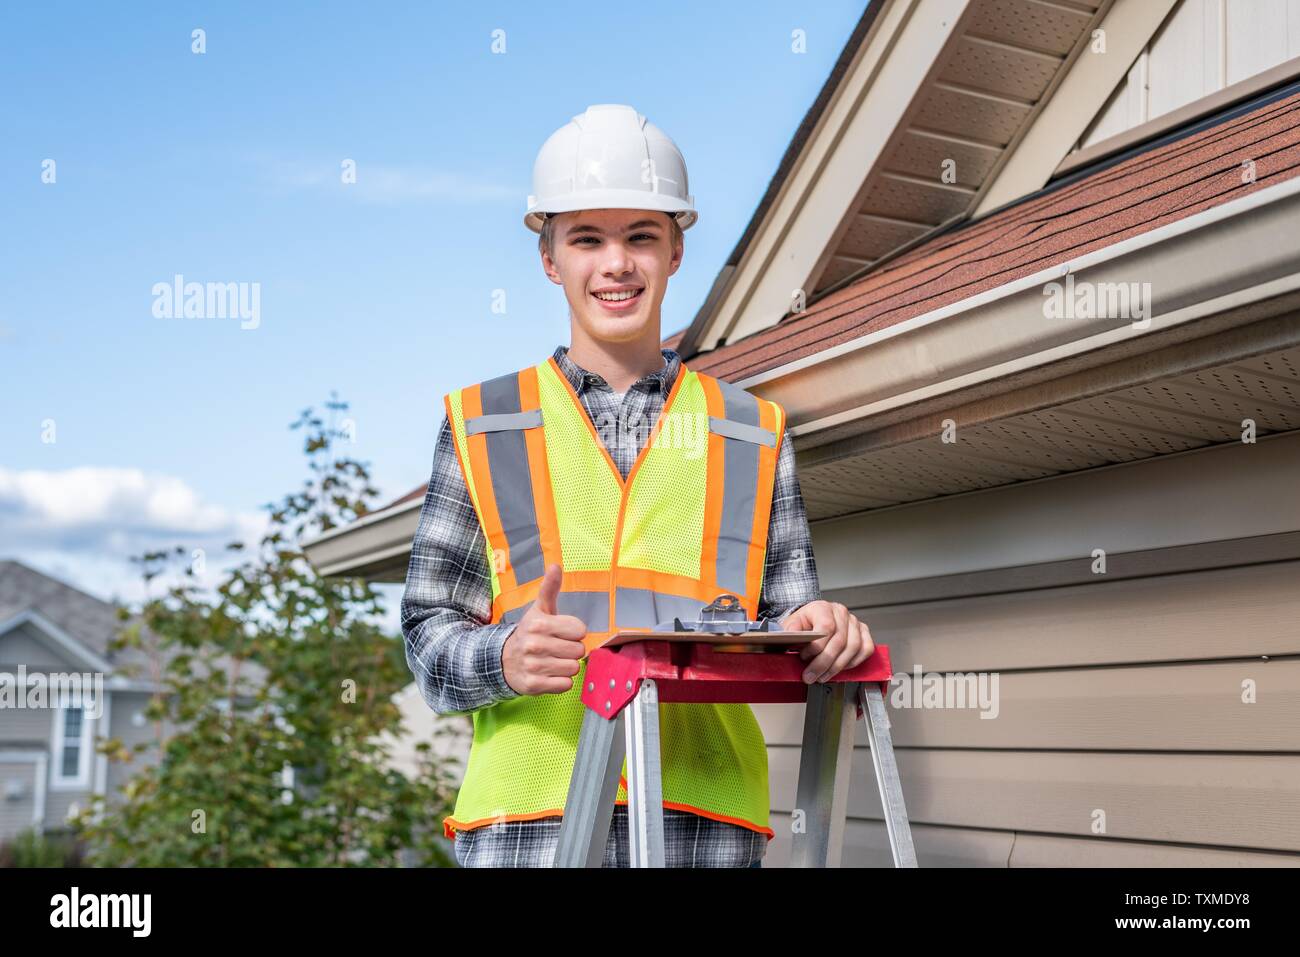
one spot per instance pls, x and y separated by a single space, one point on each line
1123 695
1185 707
1236 801
867 845
1204 46
1221 613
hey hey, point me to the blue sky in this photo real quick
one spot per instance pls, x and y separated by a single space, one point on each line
225 167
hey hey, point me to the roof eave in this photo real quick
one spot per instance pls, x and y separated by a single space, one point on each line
1223 258
870 16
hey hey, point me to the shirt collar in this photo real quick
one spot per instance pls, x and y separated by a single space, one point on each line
581 379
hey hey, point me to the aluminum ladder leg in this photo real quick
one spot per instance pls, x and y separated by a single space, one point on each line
602 746
825 769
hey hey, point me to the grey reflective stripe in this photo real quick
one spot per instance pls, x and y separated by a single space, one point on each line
746 433
512 484
739 488
741 406
642 608
592 607
503 421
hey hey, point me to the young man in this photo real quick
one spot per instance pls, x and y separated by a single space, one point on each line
608 487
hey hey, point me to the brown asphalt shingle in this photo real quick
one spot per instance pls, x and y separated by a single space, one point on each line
1145 191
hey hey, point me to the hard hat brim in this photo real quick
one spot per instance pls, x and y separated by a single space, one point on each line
683 210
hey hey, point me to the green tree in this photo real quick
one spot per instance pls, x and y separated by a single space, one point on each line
275 725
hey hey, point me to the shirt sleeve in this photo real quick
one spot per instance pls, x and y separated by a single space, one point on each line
452 651
790 571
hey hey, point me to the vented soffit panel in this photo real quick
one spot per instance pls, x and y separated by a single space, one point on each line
1003 64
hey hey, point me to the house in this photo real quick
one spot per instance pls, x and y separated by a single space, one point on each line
48 762
1027 283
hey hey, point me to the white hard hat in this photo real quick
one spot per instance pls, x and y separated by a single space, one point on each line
609 157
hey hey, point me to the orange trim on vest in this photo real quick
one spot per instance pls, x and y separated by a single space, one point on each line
762 503
713 491
548 525
450 825
573 581
667 584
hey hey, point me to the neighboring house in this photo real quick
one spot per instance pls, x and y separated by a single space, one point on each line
449 737
48 762
1027 282
47 756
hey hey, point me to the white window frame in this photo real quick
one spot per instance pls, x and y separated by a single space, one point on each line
81 781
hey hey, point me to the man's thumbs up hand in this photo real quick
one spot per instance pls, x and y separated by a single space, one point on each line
545 651
548 594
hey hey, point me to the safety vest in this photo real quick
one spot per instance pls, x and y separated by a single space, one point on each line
688 524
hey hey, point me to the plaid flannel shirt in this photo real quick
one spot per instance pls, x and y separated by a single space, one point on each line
453 651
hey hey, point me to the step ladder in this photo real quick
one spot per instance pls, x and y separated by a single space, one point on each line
628 677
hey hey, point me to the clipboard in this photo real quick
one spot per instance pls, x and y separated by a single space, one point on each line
771 642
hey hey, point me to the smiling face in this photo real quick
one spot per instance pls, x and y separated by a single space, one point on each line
614 266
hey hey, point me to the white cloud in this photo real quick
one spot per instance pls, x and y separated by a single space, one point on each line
128 498
85 524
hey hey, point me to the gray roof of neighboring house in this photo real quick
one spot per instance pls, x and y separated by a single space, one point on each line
9 610
89 620
86 619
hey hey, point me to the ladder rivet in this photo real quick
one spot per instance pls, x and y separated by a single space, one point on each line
591 686
606 705
628 687
611 682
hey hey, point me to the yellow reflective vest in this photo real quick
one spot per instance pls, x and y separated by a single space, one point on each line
688 524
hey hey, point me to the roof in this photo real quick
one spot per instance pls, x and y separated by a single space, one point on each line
792 151
804 130
417 492
935 109
87 620
84 618
1148 189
